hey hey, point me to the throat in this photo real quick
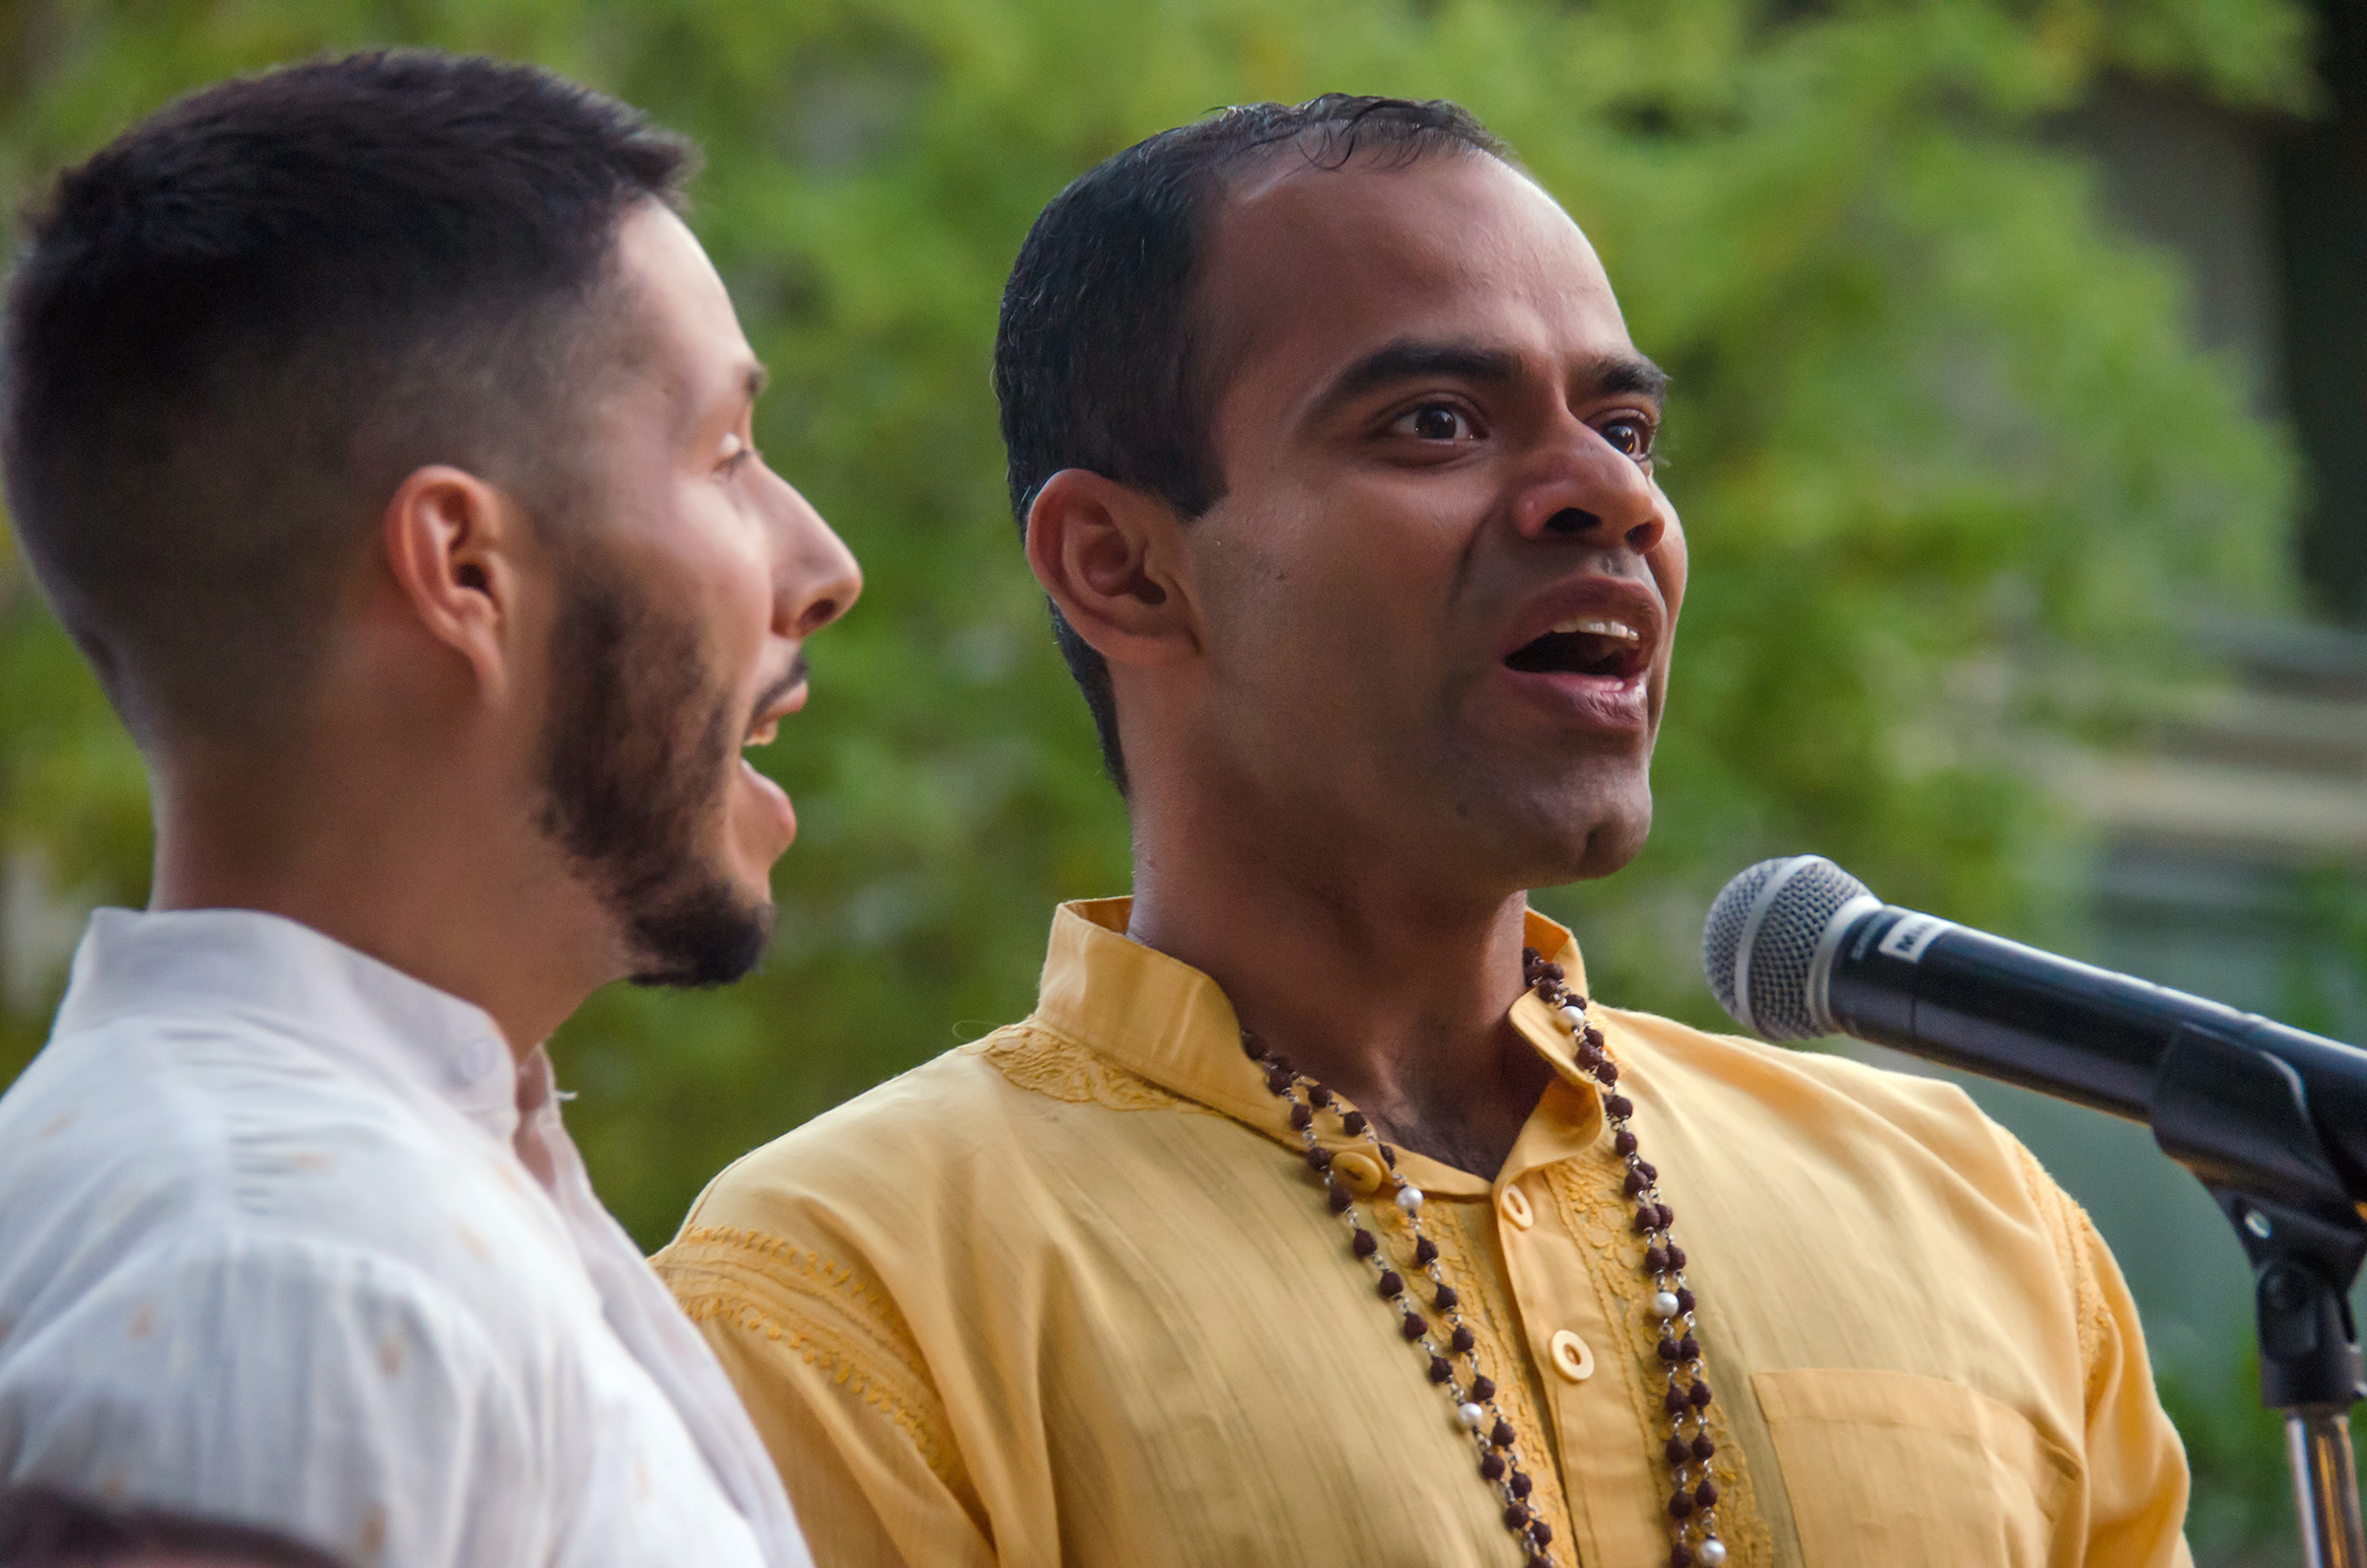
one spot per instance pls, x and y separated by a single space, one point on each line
1473 1129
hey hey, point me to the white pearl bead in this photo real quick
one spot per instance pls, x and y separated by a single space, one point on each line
1470 1415
1409 1198
1710 1552
1571 1019
1665 1304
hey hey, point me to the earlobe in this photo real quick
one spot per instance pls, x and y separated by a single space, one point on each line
1107 554
448 547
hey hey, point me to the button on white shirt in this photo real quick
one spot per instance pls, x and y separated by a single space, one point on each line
285 1238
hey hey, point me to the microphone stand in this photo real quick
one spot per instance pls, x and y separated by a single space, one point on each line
2239 1118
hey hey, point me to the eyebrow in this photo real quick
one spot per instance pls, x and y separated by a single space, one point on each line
1615 374
1413 359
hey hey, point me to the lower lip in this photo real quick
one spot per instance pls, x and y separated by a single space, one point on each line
1599 702
776 799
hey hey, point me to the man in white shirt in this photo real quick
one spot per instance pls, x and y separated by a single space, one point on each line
380 433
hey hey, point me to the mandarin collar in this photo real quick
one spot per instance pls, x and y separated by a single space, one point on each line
1165 1021
288 977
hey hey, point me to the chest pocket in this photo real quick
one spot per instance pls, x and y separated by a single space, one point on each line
1890 1468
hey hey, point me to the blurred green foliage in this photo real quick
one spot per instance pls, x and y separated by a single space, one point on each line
1929 416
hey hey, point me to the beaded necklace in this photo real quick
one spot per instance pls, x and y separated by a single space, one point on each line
1453 1359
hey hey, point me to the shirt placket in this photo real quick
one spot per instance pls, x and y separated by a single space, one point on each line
1560 1248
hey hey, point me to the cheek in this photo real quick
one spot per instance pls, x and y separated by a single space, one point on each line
1670 563
717 560
1330 589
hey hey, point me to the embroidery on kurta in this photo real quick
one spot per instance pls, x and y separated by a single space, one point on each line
821 1309
1057 1068
1584 1188
2069 1227
1499 1347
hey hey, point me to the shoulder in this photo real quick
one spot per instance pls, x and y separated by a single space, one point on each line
150 1146
959 1169
225 1303
1004 1110
1787 1085
201 1105
1842 1122
289 1382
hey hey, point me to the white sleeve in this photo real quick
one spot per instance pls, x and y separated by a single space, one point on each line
331 1396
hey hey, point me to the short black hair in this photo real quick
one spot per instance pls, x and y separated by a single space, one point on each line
1099 363
41 1526
238 327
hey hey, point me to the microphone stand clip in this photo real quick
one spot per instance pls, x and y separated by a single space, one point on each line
2239 1118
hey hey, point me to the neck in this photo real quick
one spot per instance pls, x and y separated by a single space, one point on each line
421 873
1388 993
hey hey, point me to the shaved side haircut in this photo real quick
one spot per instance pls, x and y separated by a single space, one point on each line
239 327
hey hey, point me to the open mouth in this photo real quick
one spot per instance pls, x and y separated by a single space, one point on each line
780 699
1599 646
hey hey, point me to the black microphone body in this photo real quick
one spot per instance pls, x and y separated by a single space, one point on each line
2273 1120
1997 1008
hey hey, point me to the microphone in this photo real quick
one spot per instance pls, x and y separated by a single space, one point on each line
1798 948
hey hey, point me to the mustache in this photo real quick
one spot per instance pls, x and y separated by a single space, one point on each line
798 672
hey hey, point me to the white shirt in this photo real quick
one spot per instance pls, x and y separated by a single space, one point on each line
287 1237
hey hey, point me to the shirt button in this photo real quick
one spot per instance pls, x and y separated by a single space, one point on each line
1515 1204
1362 1172
1572 1358
479 1058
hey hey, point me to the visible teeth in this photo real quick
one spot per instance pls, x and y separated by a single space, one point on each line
762 736
1598 628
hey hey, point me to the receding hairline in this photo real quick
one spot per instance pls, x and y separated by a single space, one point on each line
1224 350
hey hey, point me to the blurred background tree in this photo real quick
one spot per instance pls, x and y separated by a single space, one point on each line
1955 467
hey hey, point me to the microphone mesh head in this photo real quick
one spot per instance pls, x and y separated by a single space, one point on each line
1722 933
1782 909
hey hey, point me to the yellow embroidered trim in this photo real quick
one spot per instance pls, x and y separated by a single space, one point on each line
1501 1350
820 1309
1044 1063
1586 1191
2068 1225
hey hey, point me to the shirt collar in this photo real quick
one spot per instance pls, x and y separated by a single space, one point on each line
291 980
1165 1020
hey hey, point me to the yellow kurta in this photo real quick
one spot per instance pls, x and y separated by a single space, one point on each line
1068 1295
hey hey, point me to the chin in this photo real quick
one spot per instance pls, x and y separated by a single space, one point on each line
1580 840
695 932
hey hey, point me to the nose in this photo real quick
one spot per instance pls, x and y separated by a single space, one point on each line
815 577
1583 490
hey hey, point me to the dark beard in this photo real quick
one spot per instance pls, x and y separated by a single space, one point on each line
636 758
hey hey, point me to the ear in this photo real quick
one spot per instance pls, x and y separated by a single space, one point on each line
451 544
1107 555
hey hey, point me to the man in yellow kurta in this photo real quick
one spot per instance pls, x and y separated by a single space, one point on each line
1335 462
